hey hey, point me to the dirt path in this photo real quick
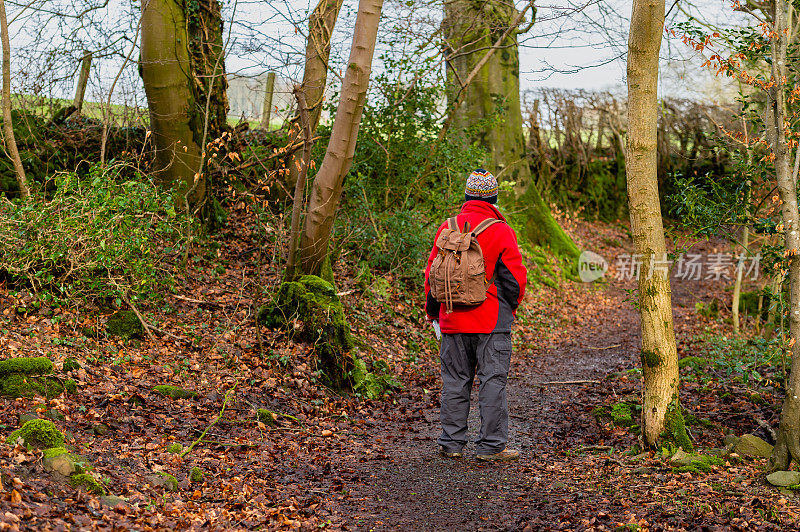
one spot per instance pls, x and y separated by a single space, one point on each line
399 483
412 488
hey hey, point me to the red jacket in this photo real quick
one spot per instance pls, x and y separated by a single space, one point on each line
503 260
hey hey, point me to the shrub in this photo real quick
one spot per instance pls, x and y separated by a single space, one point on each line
96 237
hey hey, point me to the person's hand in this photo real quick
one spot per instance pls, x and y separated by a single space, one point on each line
437 330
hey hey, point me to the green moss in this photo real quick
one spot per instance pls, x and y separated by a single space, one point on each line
651 359
124 324
675 428
700 464
87 482
174 392
39 433
26 366
266 416
174 448
70 364
71 386
622 415
692 362
169 482
196 474
326 273
81 465
54 451
314 303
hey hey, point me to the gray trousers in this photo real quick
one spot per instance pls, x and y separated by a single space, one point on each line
461 355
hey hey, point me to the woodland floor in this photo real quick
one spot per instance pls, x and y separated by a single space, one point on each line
341 462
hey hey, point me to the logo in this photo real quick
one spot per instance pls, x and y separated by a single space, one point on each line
591 266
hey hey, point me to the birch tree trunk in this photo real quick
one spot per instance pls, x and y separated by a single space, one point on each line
327 188
787 447
661 415
8 125
471 31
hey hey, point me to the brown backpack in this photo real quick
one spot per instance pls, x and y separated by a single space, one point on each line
458 273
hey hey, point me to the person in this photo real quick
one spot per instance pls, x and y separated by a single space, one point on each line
477 339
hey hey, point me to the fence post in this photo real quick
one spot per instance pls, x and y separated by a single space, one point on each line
266 113
83 79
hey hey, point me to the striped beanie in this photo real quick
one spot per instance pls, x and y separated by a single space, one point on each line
481 185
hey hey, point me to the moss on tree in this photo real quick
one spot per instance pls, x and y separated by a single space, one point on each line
314 303
675 428
38 433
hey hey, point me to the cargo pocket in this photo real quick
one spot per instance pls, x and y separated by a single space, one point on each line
502 353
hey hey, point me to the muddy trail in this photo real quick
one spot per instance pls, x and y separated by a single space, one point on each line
559 482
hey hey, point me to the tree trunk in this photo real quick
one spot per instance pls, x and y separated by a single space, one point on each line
165 67
661 415
327 188
469 30
181 61
315 76
8 125
787 448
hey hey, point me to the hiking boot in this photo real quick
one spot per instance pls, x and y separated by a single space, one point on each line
506 455
449 454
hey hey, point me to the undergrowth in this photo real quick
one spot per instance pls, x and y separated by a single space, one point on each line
102 237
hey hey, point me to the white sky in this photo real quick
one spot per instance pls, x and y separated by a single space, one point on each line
575 44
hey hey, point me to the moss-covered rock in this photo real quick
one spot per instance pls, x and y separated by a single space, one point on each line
314 303
88 483
164 480
112 501
70 386
174 392
124 324
753 446
70 364
38 433
26 366
27 376
695 463
196 474
60 460
19 385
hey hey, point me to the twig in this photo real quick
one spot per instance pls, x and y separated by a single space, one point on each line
219 416
549 383
198 301
601 348
596 448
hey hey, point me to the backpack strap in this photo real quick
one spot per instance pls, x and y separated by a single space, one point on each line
485 225
452 223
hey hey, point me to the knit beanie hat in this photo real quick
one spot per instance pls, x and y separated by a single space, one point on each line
481 185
